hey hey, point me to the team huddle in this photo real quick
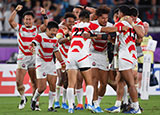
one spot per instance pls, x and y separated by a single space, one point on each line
83 47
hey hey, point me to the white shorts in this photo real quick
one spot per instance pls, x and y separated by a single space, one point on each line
78 60
58 65
44 68
25 62
125 64
99 60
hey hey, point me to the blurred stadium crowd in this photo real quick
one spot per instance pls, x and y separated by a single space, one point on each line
149 9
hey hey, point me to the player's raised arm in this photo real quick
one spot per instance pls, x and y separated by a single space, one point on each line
11 20
44 26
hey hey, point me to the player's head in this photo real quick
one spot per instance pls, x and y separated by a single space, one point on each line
28 19
134 13
115 15
84 15
146 27
69 20
13 6
52 28
77 10
123 11
102 14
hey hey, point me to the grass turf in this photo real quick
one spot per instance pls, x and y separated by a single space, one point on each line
8 106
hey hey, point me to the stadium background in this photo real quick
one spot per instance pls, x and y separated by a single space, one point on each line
149 11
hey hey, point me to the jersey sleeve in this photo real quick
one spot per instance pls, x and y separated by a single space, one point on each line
18 27
95 27
37 40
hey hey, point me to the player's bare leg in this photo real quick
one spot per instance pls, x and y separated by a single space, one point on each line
127 75
20 73
103 83
112 81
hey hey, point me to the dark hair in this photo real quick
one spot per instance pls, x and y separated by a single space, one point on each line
84 14
134 11
115 11
103 9
28 13
69 15
78 7
52 24
13 5
124 9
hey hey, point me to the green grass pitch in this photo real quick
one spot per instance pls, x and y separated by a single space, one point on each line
8 106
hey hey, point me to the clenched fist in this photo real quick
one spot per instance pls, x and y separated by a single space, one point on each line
43 11
19 7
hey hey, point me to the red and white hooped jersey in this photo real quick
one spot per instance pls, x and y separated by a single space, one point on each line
78 42
99 45
139 22
127 47
46 46
63 48
25 37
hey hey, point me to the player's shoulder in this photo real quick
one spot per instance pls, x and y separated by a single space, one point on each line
94 22
41 34
109 24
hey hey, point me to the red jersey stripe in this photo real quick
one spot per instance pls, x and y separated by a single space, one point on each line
127 60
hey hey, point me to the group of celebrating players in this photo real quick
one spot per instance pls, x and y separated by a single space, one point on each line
84 46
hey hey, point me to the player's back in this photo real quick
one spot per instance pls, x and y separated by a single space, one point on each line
78 43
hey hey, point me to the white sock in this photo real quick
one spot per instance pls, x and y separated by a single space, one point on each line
70 95
51 98
125 97
22 97
80 95
64 98
135 105
118 103
96 103
99 99
73 99
89 93
36 95
37 103
58 92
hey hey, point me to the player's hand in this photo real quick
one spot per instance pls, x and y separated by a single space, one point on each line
125 28
86 35
43 11
31 48
19 7
63 67
128 19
